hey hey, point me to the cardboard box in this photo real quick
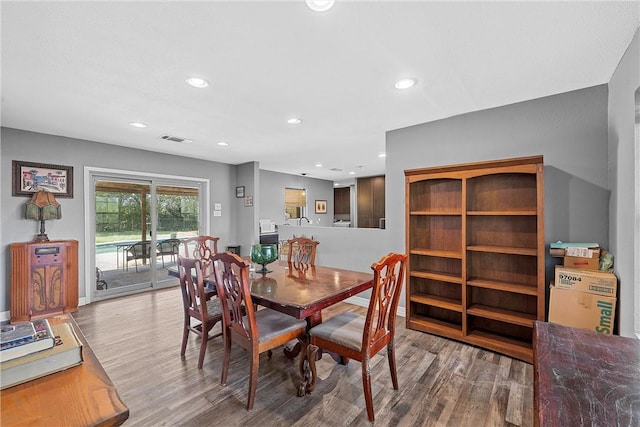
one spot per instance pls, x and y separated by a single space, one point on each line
592 281
582 252
579 262
582 310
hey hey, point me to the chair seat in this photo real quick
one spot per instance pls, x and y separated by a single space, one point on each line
345 329
213 307
272 323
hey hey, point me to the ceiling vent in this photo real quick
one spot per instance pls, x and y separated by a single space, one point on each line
336 170
174 138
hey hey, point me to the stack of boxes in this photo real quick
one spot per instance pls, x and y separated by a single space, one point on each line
581 295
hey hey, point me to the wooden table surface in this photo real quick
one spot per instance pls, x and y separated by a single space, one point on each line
303 294
582 378
79 396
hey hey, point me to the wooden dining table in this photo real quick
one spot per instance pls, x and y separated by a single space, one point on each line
302 292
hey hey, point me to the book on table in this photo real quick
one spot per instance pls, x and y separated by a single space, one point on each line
10 334
18 340
66 353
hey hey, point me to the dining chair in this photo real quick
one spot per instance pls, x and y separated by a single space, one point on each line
359 337
139 250
197 305
257 331
202 248
168 247
302 250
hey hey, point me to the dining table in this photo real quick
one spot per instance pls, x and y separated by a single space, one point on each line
301 291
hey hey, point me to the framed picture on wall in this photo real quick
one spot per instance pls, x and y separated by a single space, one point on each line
29 178
321 206
240 192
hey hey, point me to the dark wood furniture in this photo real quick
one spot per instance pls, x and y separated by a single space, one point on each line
198 304
80 396
44 279
582 378
371 203
475 238
302 251
202 248
259 330
303 294
342 201
357 337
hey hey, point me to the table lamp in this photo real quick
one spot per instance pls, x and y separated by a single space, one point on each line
42 207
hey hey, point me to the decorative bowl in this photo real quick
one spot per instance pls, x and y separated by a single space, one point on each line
264 254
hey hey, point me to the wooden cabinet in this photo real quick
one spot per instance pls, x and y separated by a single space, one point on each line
475 237
371 203
342 201
44 279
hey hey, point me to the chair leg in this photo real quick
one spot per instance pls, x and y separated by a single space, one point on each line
253 378
392 364
226 359
203 346
185 336
366 385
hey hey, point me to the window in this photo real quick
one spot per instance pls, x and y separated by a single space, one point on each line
295 201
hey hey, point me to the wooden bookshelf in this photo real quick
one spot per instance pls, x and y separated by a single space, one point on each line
475 239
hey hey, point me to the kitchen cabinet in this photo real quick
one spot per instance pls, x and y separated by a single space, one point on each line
371 201
475 239
342 201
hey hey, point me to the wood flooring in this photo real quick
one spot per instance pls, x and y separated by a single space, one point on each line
442 382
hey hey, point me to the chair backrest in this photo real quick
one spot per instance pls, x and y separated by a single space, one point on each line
193 292
302 250
232 281
202 248
139 250
168 247
388 277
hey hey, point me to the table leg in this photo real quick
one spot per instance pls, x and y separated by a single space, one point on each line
308 371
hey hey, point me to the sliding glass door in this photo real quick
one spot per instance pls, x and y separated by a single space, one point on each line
138 226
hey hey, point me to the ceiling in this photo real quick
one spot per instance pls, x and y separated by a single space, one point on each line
85 69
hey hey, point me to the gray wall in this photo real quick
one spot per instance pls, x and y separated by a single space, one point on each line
569 130
624 160
246 222
41 148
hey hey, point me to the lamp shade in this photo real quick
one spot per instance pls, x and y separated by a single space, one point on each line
43 206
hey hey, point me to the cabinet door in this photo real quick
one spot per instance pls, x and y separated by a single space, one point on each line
365 209
371 201
342 203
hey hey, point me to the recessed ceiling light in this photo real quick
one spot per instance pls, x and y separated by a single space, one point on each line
188 141
318 165
197 82
294 121
320 5
223 144
335 184
382 155
352 173
137 125
405 83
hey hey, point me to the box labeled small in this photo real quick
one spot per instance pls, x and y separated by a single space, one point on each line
582 310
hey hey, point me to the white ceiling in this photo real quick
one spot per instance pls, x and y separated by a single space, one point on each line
86 69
